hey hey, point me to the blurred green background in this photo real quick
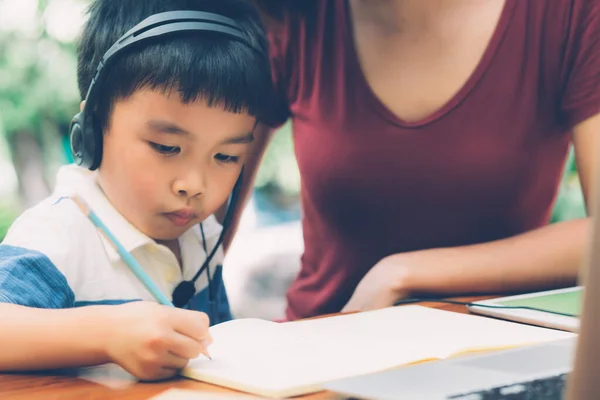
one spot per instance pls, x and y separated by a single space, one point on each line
38 97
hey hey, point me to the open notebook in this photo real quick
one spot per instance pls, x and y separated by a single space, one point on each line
288 359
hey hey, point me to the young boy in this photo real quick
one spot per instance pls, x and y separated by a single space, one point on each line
176 116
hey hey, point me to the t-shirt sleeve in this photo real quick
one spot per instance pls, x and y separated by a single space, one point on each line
38 250
581 94
29 278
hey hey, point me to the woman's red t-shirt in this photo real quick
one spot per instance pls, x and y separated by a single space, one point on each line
486 166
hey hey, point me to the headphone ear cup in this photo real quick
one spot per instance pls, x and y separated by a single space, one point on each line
95 138
76 139
86 141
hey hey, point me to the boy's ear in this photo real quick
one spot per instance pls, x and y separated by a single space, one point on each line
82 105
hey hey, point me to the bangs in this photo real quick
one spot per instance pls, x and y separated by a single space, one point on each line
213 69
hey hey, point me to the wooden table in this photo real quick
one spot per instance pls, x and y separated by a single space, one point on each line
111 382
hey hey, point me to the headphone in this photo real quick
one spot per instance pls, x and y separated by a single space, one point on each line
86 130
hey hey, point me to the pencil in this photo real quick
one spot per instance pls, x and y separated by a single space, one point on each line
127 258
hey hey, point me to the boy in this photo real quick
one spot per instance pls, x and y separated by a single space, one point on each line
175 116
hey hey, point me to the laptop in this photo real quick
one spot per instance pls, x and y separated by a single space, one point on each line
568 368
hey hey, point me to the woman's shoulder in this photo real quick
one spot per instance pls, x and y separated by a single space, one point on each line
277 12
296 31
567 14
286 20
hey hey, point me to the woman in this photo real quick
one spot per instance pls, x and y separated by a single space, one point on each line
431 138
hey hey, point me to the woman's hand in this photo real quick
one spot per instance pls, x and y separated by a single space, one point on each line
382 286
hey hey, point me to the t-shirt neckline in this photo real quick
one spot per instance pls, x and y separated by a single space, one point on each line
373 100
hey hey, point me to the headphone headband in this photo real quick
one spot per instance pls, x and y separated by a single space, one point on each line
166 23
86 142
181 15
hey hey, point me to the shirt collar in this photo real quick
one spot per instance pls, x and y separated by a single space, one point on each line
72 180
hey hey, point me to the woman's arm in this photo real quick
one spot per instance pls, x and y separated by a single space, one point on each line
544 258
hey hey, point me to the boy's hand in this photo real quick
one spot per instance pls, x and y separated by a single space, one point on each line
154 342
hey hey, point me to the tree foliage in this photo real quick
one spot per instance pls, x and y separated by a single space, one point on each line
37 79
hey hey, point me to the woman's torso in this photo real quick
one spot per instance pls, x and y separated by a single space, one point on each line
484 166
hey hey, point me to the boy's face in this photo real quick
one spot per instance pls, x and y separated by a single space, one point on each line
167 165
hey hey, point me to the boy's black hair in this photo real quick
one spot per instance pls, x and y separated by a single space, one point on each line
205 65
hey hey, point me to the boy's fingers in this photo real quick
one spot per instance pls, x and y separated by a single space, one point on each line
158 375
168 366
186 347
162 373
174 361
207 341
193 324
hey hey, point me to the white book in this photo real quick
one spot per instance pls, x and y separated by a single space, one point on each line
293 358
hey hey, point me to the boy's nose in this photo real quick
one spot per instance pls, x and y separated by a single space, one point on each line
191 186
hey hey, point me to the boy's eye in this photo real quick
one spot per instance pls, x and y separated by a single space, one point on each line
162 149
224 158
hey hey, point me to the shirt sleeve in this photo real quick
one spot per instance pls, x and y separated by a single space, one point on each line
581 93
29 278
37 256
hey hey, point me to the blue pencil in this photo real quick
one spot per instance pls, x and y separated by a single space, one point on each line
127 258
